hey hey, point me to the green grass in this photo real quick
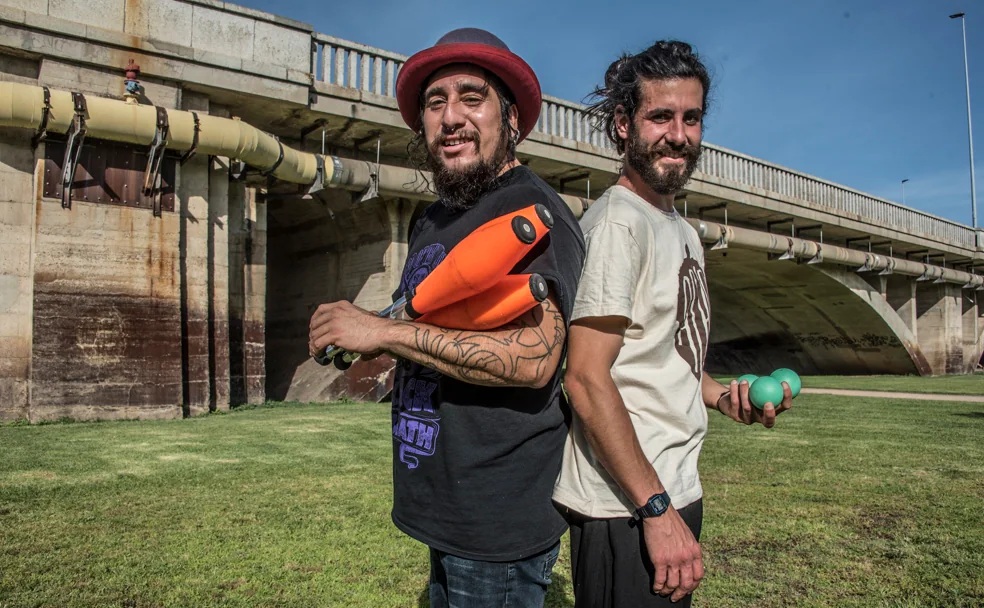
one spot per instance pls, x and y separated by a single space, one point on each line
970 384
846 503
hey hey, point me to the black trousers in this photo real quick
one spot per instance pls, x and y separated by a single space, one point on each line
610 564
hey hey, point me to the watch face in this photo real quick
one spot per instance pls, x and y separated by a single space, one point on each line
658 503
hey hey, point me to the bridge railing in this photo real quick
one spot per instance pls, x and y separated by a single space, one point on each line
729 165
365 68
356 66
569 120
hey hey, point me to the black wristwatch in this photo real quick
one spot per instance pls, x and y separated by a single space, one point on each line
655 506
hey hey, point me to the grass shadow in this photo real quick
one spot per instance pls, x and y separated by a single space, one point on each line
970 414
557 593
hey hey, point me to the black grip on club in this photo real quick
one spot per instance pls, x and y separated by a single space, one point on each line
524 230
545 216
538 287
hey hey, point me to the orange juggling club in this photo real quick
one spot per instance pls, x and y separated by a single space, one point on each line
478 262
508 299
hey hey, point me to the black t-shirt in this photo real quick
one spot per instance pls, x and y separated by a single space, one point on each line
474 466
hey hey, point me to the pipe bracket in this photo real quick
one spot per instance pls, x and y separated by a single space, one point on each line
237 170
319 175
194 142
42 133
154 159
722 242
280 159
372 192
788 255
818 258
73 148
889 267
869 264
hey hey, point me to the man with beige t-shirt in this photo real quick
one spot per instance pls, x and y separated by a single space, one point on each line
639 334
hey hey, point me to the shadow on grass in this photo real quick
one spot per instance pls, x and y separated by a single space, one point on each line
556 594
970 414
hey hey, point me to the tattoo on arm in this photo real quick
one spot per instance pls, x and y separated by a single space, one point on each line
519 353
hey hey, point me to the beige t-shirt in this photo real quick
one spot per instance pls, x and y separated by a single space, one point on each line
648 266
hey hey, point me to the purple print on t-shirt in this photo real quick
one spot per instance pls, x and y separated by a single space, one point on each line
415 422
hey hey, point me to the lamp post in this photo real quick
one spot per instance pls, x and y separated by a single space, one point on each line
970 128
903 190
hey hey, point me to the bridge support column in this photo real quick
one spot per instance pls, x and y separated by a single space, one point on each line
940 326
218 281
971 330
193 193
247 295
17 219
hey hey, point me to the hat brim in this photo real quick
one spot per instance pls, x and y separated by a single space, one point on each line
514 72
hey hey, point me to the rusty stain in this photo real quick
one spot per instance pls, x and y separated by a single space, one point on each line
106 350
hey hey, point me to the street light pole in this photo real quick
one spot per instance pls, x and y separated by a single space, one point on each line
903 190
970 128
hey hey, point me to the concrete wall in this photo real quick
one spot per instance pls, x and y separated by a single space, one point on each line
357 255
109 312
206 31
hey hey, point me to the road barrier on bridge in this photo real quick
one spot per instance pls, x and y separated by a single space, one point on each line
34 107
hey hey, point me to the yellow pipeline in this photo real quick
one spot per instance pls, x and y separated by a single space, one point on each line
23 106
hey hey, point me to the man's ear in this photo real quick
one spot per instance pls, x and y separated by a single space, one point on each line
514 117
623 122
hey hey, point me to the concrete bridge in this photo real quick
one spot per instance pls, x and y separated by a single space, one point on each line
196 295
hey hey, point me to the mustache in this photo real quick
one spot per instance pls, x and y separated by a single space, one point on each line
442 139
683 151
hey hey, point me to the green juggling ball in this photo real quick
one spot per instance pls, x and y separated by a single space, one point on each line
765 390
789 377
748 378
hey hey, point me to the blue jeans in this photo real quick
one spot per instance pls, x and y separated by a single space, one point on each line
456 582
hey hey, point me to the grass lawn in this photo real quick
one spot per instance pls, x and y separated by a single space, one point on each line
970 384
846 503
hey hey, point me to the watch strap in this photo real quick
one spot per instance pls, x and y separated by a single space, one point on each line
655 506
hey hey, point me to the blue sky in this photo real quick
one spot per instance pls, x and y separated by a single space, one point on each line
862 93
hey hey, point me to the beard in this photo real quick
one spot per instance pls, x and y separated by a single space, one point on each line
460 189
643 160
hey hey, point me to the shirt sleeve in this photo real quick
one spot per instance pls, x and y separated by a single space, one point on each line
612 267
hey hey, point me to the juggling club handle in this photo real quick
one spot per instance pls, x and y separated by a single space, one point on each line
392 311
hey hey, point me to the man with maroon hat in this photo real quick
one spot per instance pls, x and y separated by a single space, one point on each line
479 417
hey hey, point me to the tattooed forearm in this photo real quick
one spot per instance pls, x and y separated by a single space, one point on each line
524 353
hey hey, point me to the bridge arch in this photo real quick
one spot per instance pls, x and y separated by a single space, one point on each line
815 319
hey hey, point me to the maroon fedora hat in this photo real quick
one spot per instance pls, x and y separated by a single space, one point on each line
478 47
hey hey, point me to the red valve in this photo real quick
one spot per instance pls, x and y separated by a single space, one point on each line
132 70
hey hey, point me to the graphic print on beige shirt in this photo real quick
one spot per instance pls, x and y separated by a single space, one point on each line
648 266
